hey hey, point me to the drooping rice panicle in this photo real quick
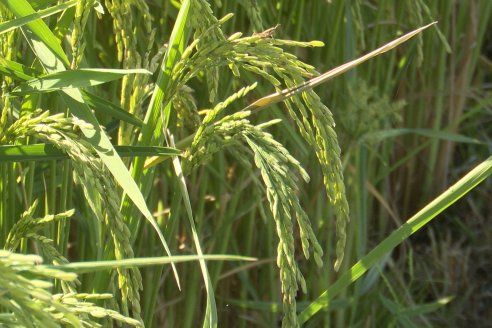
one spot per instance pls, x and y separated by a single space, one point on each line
279 171
27 302
100 190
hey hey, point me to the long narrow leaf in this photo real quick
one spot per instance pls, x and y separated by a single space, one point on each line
18 22
22 8
106 107
171 57
211 310
92 266
81 78
21 72
18 71
44 152
287 93
415 223
151 126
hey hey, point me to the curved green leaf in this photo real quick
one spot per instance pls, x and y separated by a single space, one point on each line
415 223
106 107
18 71
73 79
91 266
18 22
22 8
211 310
44 152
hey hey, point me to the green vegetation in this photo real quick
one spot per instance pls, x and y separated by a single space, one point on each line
174 163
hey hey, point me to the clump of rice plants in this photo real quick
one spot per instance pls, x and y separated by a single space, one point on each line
120 119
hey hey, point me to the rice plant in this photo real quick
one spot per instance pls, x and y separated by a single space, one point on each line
143 137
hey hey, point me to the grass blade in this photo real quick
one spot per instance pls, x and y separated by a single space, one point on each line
415 223
91 266
18 22
101 143
211 310
17 71
171 57
106 107
21 72
22 8
421 309
151 126
44 152
71 79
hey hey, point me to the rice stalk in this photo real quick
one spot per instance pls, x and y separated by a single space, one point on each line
126 31
82 11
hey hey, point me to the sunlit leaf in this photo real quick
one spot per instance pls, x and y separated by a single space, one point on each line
71 79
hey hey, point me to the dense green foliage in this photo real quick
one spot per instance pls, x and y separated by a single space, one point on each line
142 134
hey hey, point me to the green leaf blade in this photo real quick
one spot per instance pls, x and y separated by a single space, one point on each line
92 266
21 21
73 79
45 152
415 223
22 8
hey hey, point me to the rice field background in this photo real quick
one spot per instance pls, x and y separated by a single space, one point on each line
245 163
